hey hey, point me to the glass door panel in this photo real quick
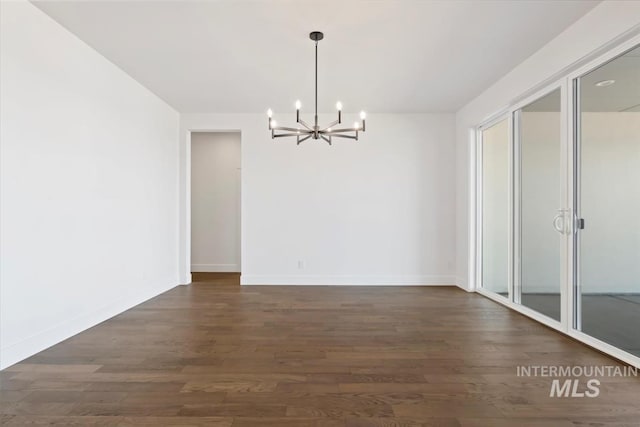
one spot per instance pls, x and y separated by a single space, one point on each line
608 202
495 179
541 217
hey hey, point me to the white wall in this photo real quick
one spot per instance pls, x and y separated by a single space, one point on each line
377 211
598 27
215 201
88 186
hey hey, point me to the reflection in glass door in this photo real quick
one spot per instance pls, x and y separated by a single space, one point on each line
541 224
608 202
495 212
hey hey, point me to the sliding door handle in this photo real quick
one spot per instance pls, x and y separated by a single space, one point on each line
579 223
558 222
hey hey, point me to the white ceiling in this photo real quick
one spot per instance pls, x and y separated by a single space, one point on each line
226 56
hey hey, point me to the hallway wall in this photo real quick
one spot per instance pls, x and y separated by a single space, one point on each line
215 202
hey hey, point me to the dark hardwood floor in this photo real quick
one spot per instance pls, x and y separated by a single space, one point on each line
217 354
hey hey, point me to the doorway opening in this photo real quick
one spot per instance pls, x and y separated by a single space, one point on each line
215 207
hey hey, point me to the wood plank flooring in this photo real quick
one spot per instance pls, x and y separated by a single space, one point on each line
217 354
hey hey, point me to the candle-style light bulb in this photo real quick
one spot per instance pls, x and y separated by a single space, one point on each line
273 123
298 104
363 115
356 125
339 106
269 113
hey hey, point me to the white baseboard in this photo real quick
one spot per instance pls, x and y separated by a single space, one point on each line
347 280
215 268
462 284
28 346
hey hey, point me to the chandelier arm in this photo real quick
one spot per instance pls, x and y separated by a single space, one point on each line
303 139
339 135
330 125
343 130
282 135
303 123
326 139
288 129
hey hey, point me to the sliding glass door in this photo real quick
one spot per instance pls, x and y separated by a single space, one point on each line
522 214
540 211
608 202
494 153
558 204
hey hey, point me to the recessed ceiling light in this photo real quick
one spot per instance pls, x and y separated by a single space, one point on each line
605 83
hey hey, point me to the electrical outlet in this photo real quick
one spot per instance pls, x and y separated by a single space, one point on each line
300 264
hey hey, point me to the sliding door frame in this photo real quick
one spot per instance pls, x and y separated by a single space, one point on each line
513 115
479 206
567 80
563 198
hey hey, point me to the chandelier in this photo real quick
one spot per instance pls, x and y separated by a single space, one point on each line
305 131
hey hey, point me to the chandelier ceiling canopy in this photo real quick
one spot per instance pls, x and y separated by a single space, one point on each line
304 131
